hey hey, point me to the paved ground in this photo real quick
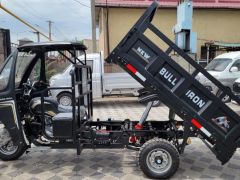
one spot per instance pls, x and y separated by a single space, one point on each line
42 163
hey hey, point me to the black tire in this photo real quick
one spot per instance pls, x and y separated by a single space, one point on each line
66 95
16 152
21 149
167 151
225 99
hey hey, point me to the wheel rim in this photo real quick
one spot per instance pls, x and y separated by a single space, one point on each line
159 161
8 148
65 101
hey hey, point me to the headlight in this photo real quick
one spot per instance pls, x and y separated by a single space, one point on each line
52 81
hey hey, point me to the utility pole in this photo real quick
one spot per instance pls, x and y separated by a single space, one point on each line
50 29
21 20
38 36
94 40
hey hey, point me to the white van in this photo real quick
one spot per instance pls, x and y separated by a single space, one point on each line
226 69
103 83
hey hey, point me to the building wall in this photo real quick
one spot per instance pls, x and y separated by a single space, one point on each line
216 25
121 20
88 44
102 31
210 24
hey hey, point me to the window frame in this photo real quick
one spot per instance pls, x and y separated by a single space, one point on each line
10 58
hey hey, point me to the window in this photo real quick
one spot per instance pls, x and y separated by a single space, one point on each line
237 64
5 73
56 62
23 61
35 74
90 63
218 64
204 51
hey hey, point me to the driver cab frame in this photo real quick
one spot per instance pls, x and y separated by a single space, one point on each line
11 96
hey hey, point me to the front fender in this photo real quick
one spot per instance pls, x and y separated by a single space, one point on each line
9 119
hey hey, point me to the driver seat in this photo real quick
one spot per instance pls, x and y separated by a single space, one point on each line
65 109
36 103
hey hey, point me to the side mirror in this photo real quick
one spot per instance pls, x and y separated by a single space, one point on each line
234 69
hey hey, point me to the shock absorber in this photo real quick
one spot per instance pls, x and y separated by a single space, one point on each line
144 116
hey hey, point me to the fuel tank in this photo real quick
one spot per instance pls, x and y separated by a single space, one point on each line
50 106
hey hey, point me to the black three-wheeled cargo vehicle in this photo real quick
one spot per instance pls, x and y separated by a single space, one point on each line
30 116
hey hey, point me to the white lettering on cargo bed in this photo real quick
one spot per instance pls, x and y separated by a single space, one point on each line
143 53
195 99
168 76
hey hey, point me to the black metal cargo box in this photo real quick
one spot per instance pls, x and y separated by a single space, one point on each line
179 89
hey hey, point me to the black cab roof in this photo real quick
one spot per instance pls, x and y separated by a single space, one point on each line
52 45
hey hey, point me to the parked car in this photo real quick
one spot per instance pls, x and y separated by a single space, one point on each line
236 87
225 68
103 83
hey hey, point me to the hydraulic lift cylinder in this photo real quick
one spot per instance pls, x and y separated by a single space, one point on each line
144 116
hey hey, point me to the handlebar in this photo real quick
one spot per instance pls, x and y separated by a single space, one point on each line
29 87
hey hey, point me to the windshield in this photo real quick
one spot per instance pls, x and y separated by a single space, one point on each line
5 73
68 69
23 61
218 64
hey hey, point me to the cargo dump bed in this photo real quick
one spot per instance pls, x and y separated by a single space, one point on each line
203 112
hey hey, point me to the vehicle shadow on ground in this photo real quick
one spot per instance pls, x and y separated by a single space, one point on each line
64 163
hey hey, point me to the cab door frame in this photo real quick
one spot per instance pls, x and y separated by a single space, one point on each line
8 108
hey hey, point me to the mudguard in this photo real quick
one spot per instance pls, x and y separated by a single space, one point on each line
9 119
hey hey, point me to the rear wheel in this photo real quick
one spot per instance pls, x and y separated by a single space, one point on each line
65 99
158 159
9 151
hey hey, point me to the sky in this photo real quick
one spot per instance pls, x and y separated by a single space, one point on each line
71 19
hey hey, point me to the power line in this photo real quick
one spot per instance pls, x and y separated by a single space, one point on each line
60 32
81 3
41 27
30 10
21 20
19 5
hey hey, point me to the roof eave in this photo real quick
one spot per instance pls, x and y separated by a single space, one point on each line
200 6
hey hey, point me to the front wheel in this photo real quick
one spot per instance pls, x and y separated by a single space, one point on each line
158 159
65 99
8 151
